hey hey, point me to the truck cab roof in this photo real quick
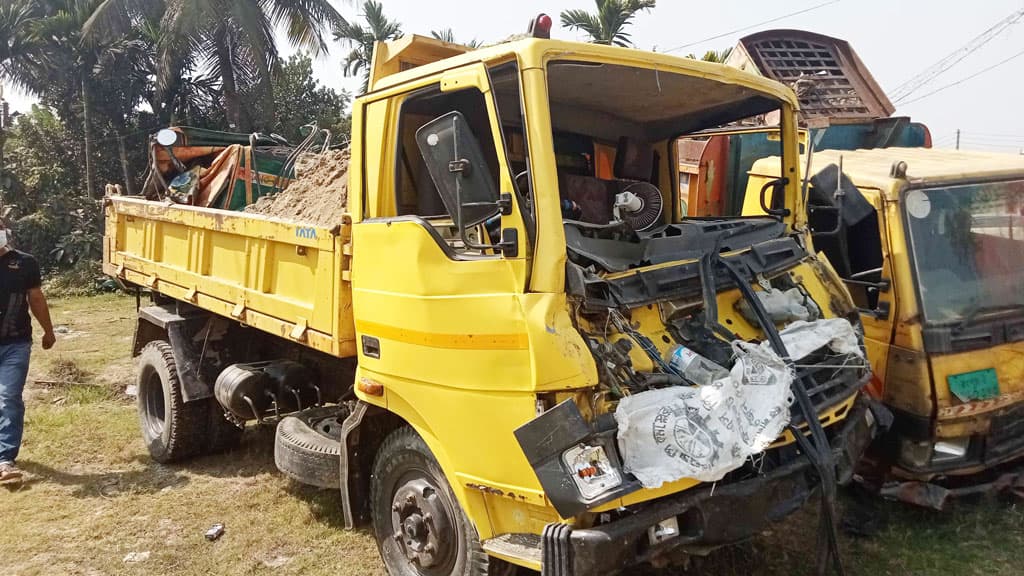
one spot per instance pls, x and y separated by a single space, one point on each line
413 57
874 168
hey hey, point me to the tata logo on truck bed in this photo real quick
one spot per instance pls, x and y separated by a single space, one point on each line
305 232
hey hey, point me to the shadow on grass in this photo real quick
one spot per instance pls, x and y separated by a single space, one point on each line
149 480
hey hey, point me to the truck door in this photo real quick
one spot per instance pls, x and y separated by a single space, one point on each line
860 254
438 309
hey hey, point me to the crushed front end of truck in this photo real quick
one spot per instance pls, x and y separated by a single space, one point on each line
729 357
750 463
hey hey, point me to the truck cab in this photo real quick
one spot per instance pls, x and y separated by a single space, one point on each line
553 281
532 356
934 264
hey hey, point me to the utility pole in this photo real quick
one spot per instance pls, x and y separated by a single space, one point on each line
957 138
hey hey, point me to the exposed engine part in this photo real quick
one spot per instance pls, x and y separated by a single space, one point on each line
614 365
782 306
639 206
251 391
692 332
622 325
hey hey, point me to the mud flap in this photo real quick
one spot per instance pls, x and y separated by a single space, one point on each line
179 330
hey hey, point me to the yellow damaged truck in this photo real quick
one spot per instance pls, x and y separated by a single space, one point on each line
513 349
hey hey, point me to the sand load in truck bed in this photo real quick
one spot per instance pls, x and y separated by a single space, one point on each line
318 195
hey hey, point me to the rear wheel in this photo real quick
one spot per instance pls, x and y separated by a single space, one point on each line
420 528
171 428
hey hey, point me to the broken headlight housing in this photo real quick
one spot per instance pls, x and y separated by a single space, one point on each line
591 469
922 453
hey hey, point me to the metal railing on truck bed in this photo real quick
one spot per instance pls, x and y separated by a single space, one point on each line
288 279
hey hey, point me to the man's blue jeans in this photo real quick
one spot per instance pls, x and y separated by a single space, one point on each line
13 371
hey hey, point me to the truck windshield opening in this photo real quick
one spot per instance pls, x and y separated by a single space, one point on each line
615 132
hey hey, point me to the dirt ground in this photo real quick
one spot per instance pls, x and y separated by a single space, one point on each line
94 504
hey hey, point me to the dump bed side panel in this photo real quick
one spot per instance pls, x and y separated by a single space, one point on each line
284 278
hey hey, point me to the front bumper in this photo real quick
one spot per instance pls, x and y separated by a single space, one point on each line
1001 443
709 516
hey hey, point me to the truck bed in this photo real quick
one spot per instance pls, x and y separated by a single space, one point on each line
289 279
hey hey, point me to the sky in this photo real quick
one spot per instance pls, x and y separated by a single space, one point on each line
896 40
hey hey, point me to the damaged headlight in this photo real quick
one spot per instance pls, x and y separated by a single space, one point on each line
921 453
560 444
592 470
950 449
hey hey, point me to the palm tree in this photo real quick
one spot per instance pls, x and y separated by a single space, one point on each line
446 35
719 56
233 39
51 59
19 45
608 25
363 39
17 48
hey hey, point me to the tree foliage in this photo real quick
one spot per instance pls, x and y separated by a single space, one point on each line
300 101
607 25
115 77
50 216
719 56
448 35
361 39
231 40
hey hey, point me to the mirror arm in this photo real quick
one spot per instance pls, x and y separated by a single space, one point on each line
509 245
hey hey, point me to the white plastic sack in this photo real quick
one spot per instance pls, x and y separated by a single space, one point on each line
703 432
802 338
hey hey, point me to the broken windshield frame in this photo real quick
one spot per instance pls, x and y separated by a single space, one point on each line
614 132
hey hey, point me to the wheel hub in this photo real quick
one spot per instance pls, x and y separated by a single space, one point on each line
421 524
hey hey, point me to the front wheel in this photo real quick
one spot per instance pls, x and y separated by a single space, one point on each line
420 528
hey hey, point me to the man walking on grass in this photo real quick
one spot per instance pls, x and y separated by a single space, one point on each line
19 292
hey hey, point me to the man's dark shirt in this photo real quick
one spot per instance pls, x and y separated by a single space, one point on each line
19 273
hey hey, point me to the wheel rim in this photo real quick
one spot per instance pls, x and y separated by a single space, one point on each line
154 409
421 525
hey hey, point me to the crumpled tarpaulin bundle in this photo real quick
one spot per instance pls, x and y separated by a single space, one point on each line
703 432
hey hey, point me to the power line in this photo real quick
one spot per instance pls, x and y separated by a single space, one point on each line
994 137
962 80
752 26
907 88
993 140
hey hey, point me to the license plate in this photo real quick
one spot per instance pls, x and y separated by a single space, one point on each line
977 385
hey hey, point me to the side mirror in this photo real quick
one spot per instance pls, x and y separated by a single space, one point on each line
459 170
168 138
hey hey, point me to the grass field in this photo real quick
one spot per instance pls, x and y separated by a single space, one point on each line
95 504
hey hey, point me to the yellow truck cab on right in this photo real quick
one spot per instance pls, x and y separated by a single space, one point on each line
931 247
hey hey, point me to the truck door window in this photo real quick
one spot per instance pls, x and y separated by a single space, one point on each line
856 254
415 193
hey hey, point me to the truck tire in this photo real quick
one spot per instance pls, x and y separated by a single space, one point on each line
407 484
307 446
172 429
